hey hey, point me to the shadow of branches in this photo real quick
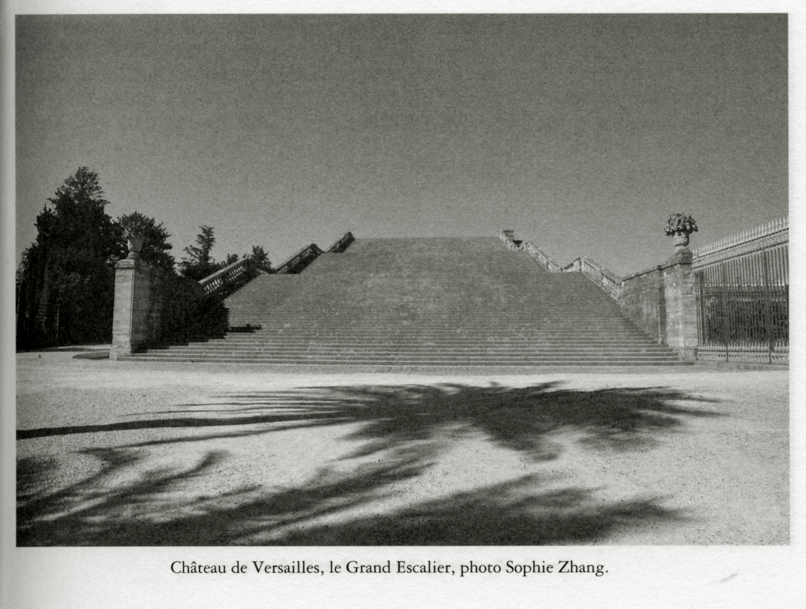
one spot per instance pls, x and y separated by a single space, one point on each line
146 513
515 418
404 426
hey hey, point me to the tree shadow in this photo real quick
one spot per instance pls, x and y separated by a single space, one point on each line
520 419
148 512
403 428
501 515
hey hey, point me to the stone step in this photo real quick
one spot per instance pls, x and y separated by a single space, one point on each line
409 358
425 302
410 353
435 341
403 360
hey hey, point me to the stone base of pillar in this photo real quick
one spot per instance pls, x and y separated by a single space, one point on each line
680 300
133 313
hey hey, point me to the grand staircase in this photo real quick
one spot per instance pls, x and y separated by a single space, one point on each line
424 303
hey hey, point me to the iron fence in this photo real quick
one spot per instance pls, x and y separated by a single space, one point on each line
743 296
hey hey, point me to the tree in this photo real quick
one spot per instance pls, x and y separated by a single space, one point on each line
259 257
155 246
65 284
199 264
230 259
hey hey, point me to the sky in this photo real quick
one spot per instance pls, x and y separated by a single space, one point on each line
580 132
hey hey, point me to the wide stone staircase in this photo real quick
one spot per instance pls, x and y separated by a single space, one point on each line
424 302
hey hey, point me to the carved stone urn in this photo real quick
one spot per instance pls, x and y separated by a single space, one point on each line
680 240
135 245
679 227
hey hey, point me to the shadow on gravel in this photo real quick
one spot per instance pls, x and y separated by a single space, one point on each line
517 418
150 512
405 427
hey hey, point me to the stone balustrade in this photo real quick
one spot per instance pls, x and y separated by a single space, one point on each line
602 277
227 276
299 261
342 244
149 302
660 301
540 257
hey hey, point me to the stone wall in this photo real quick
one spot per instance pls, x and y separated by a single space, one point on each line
662 302
151 305
642 299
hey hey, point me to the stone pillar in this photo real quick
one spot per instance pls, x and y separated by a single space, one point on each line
680 300
133 313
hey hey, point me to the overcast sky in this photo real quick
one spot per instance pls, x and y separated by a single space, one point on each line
582 133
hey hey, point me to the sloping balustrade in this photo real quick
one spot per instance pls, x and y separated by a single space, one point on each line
602 277
232 276
342 244
238 273
299 261
742 293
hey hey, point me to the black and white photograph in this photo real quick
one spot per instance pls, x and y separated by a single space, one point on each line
355 301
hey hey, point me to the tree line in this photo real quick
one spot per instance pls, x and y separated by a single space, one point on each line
66 279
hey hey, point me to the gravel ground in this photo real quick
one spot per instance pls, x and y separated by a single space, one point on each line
113 453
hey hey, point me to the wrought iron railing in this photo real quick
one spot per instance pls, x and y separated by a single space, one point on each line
743 296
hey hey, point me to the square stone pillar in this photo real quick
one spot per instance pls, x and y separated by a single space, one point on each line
132 316
680 300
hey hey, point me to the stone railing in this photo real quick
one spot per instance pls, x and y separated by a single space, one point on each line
508 237
151 304
538 256
342 244
303 258
231 276
660 300
299 261
606 280
602 277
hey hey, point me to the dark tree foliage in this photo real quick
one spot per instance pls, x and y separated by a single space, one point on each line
66 280
65 284
231 258
155 239
199 263
260 258
77 219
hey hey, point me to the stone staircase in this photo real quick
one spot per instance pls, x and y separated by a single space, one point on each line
424 303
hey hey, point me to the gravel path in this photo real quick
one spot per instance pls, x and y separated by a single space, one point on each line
113 453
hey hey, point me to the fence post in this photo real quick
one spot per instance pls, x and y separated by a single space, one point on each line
767 307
